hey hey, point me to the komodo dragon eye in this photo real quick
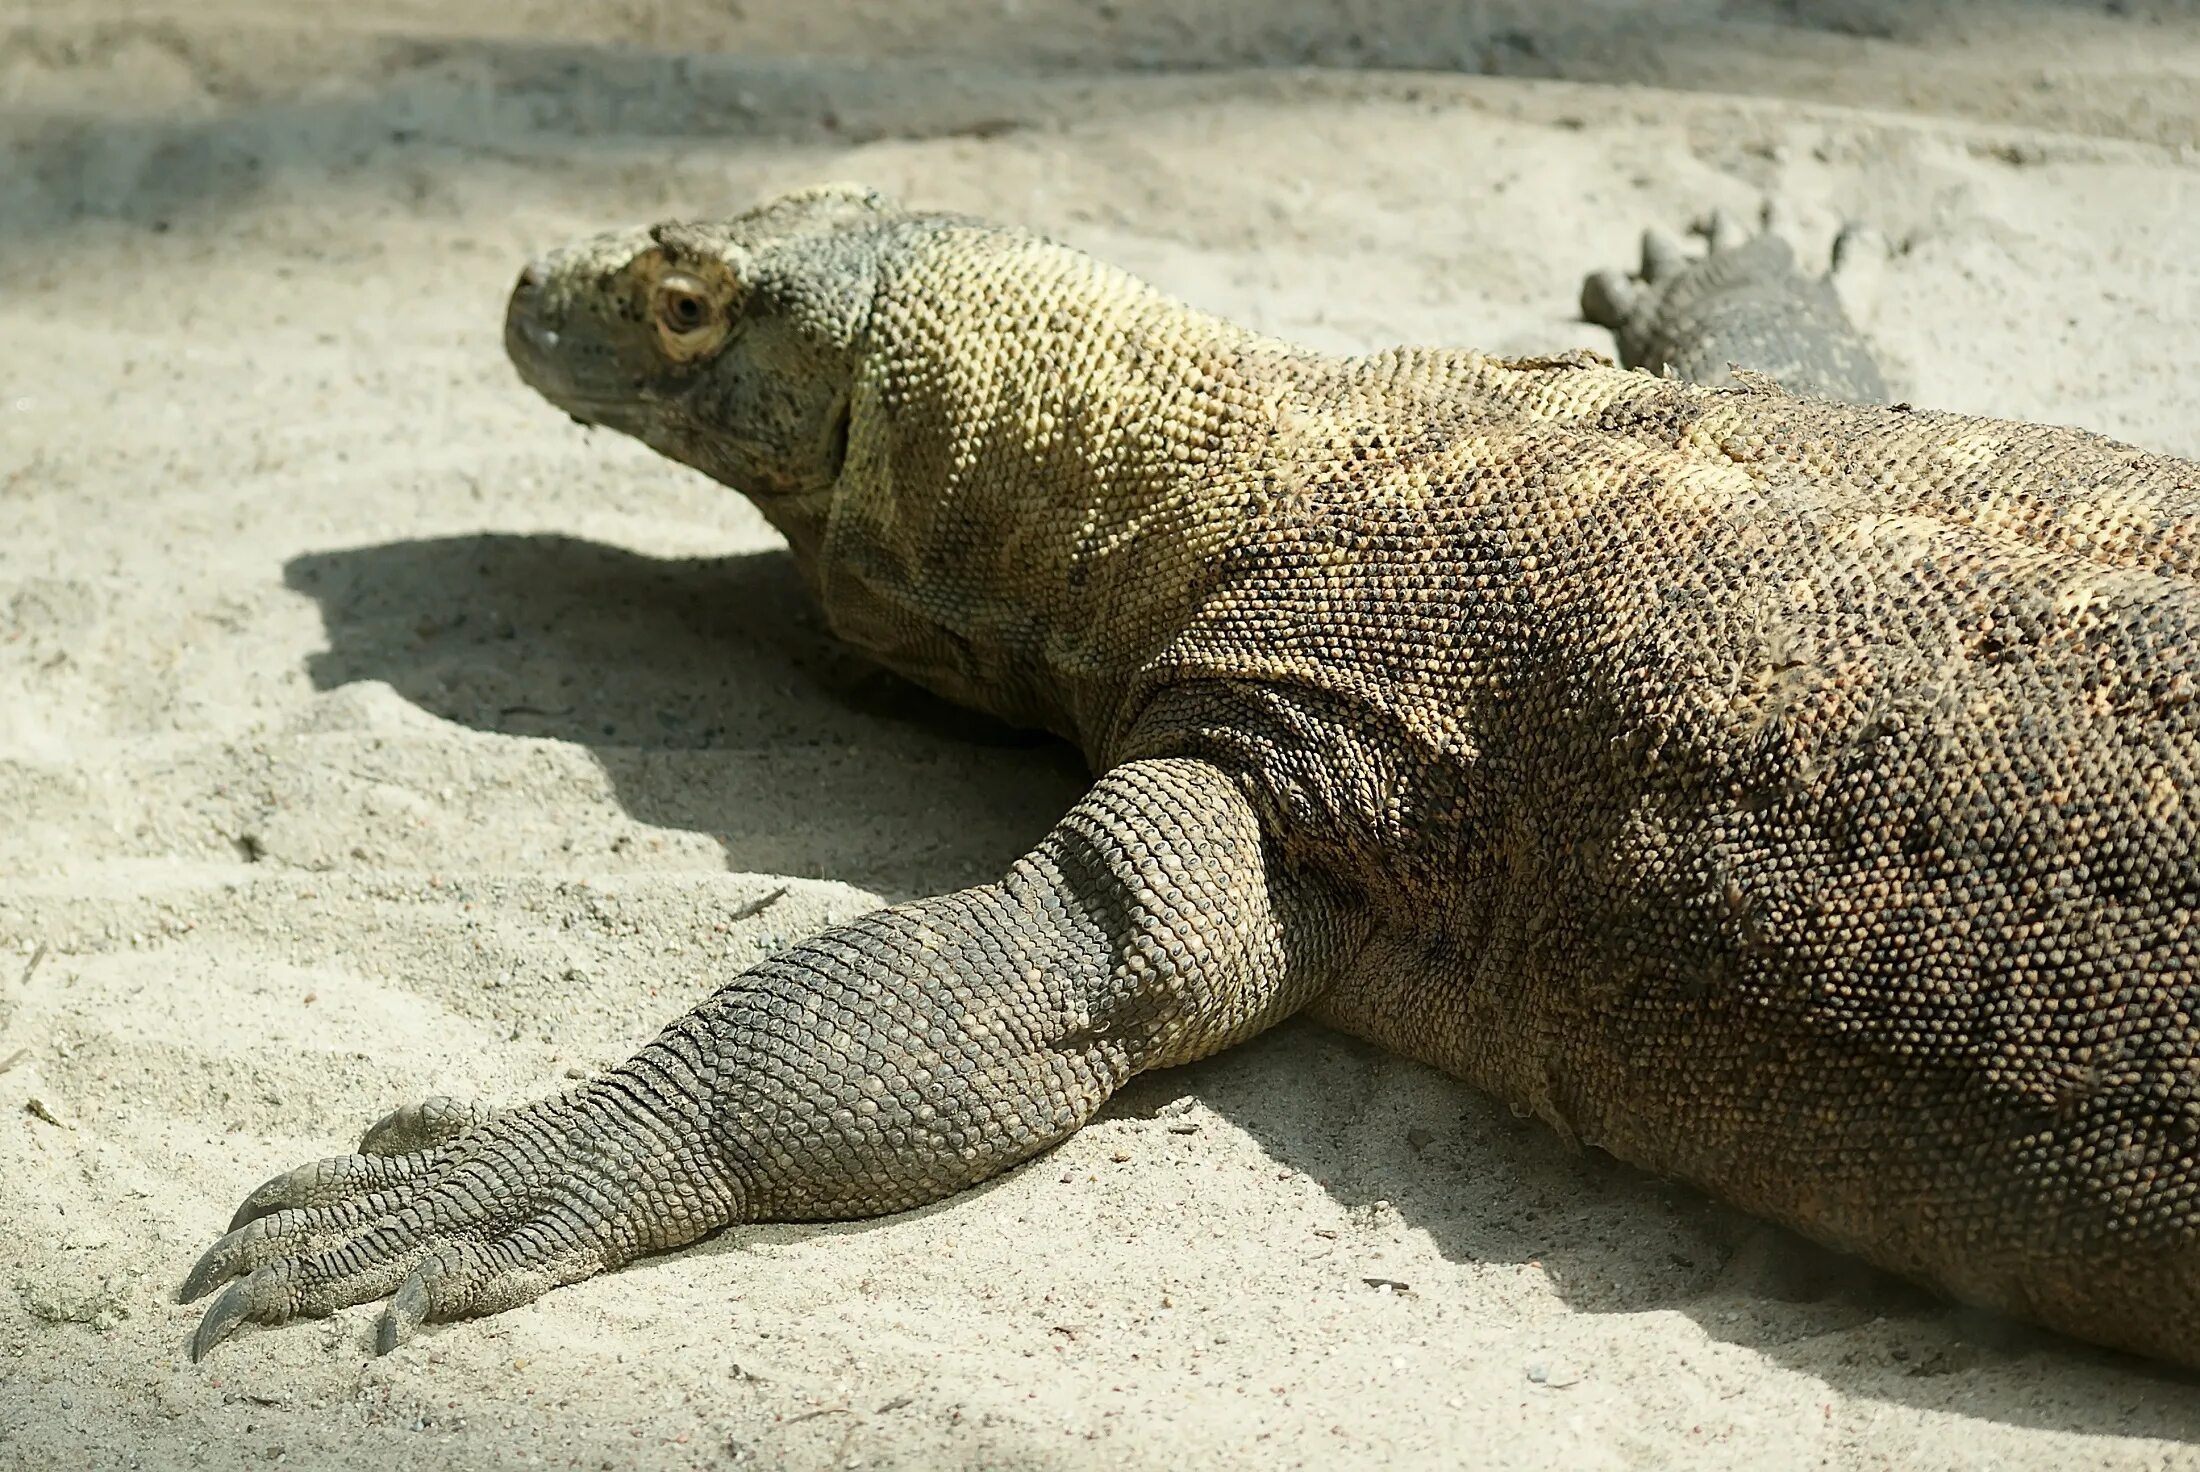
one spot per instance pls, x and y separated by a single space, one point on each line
685 312
690 319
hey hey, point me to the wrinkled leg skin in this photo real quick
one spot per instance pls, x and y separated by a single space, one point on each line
1742 305
886 1063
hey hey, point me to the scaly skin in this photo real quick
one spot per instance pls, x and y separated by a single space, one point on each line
1791 797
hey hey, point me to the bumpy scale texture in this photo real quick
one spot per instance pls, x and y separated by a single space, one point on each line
1790 797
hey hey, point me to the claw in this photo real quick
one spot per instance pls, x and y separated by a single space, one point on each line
270 1195
291 1188
1662 257
229 1310
1858 245
408 1306
219 1263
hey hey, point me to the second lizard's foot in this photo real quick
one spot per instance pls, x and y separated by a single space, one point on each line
1740 305
1669 277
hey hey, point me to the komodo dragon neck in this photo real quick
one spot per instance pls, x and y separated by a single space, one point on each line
1029 515
1079 470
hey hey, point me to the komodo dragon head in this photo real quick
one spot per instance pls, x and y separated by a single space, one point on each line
730 346
965 433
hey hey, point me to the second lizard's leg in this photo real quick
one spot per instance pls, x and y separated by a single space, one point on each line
1742 305
882 1064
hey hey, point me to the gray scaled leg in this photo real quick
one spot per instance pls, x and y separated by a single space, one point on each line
882 1064
1742 305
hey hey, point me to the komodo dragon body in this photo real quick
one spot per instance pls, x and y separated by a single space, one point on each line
1790 797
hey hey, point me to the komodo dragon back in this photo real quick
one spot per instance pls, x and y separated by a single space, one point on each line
1794 798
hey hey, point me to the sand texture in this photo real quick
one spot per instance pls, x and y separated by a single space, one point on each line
368 731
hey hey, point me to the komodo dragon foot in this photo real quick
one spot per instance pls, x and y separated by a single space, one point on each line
1741 305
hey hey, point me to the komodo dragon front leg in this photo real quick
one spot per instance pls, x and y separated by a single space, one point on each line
883 1064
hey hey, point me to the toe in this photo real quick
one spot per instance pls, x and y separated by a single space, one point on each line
280 1234
423 1126
527 1201
1610 299
1662 257
329 1182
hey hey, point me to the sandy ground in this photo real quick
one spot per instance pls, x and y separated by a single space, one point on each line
367 731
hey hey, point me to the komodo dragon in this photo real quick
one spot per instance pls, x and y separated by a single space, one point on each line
1792 798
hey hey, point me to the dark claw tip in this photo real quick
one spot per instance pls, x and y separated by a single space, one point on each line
407 1308
221 1320
217 1265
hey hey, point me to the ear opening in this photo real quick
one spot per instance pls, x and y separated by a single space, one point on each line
683 240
